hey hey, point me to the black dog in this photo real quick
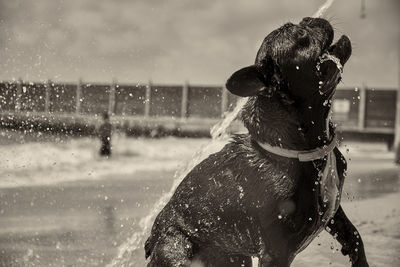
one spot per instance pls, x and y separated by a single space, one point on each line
270 192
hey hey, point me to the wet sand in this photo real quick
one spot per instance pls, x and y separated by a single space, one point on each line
378 222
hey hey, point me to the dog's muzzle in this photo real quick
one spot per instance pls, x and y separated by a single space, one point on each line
331 62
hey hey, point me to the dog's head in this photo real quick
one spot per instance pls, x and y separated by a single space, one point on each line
297 58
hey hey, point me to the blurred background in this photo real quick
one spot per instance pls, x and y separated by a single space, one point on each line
158 68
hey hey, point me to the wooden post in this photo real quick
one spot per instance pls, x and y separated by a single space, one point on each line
397 121
362 107
18 96
111 103
47 88
184 103
147 99
78 97
224 100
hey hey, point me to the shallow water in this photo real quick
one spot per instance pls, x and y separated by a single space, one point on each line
77 223
82 220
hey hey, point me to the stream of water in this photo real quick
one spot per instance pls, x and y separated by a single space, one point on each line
219 134
323 9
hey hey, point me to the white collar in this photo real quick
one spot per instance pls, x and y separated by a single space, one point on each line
302 155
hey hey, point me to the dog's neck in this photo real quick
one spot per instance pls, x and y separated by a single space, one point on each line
314 122
296 126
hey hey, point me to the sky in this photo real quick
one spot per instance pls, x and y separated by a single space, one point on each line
173 41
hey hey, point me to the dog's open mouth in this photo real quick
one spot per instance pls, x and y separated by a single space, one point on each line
330 64
325 57
329 69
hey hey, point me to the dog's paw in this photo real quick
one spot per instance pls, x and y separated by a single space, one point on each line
358 259
345 250
360 263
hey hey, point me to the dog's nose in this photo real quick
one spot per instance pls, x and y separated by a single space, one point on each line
313 22
306 21
319 24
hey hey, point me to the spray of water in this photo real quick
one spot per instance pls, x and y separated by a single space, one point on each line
327 56
322 9
219 130
219 133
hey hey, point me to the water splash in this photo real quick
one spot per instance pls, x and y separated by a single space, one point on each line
322 9
219 134
219 130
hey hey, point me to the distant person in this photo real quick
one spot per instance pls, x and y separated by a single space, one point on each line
397 158
104 133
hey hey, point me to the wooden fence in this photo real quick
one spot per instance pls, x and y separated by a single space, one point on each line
357 110
148 100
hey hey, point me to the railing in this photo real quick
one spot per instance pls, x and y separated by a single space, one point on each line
364 110
368 110
149 100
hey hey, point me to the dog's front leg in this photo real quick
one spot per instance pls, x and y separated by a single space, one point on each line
268 260
348 236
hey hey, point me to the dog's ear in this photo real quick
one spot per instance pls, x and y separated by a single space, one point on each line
246 82
252 80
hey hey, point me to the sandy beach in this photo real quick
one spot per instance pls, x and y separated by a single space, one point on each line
62 205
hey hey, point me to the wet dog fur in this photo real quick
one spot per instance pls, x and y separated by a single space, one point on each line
244 201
